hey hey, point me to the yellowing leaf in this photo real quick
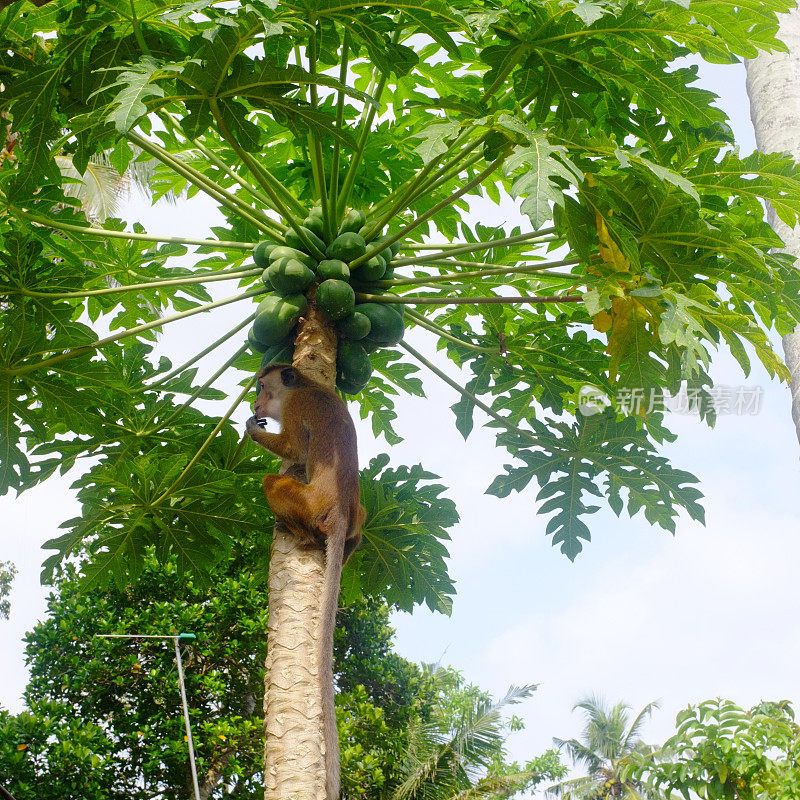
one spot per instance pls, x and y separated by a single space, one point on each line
602 321
629 316
22 747
609 251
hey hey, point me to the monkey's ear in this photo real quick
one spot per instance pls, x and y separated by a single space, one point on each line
289 377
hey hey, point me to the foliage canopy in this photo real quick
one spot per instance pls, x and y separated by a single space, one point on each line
644 249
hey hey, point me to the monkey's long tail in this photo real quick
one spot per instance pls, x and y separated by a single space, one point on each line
334 553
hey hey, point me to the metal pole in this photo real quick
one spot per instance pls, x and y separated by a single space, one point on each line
176 639
186 717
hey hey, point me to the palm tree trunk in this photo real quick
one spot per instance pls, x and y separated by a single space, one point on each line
773 86
294 752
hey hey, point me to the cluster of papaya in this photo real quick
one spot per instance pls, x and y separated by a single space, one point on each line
291 270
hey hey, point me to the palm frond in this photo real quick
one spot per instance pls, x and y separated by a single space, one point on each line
439 765
580 754
495 786
100 188
629 742
584 788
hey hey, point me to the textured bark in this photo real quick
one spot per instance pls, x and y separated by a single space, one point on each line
773 86
294 754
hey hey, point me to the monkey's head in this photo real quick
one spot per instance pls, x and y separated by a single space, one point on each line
275 383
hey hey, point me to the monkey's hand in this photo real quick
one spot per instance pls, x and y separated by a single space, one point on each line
255 426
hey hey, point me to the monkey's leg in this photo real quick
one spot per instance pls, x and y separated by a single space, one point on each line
291 503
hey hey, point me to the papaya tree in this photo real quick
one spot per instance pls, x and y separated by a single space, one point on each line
364 160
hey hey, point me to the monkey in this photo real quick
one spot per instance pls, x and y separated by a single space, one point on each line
317 436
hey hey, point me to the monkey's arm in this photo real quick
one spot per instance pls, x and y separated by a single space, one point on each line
287 444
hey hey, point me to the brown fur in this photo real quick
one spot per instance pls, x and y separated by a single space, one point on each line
318 437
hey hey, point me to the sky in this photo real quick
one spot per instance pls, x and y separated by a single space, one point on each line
641 615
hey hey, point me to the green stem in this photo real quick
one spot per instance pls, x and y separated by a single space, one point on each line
211 276
334 193
137 31
406 195
157 323
448 201
399 204
269 183
366 127
239 449
206 444
439 331
500 79
315 146
265 185
267 178
197 392
85 230
362 297
467 394
444 177
246 185
204 352
205 184
451 249
479 273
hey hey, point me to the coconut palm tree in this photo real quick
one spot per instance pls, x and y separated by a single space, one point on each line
461 759
608 741
774 94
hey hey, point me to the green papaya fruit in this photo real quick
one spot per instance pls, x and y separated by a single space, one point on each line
254 343
386 324
261 253
346 247
292 252
336 299
348 387
386 254
370 345
353 221
314 224
354 326
276 316
289 276
293 239
333 268
371 270
280 353
353 369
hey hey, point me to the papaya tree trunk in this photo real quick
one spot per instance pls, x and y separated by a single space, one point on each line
773 86
294 753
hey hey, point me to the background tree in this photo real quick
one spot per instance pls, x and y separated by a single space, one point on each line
609 742
720 750
644 250
459 751
7 573
103 718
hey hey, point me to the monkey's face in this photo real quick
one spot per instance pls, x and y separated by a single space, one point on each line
272 394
